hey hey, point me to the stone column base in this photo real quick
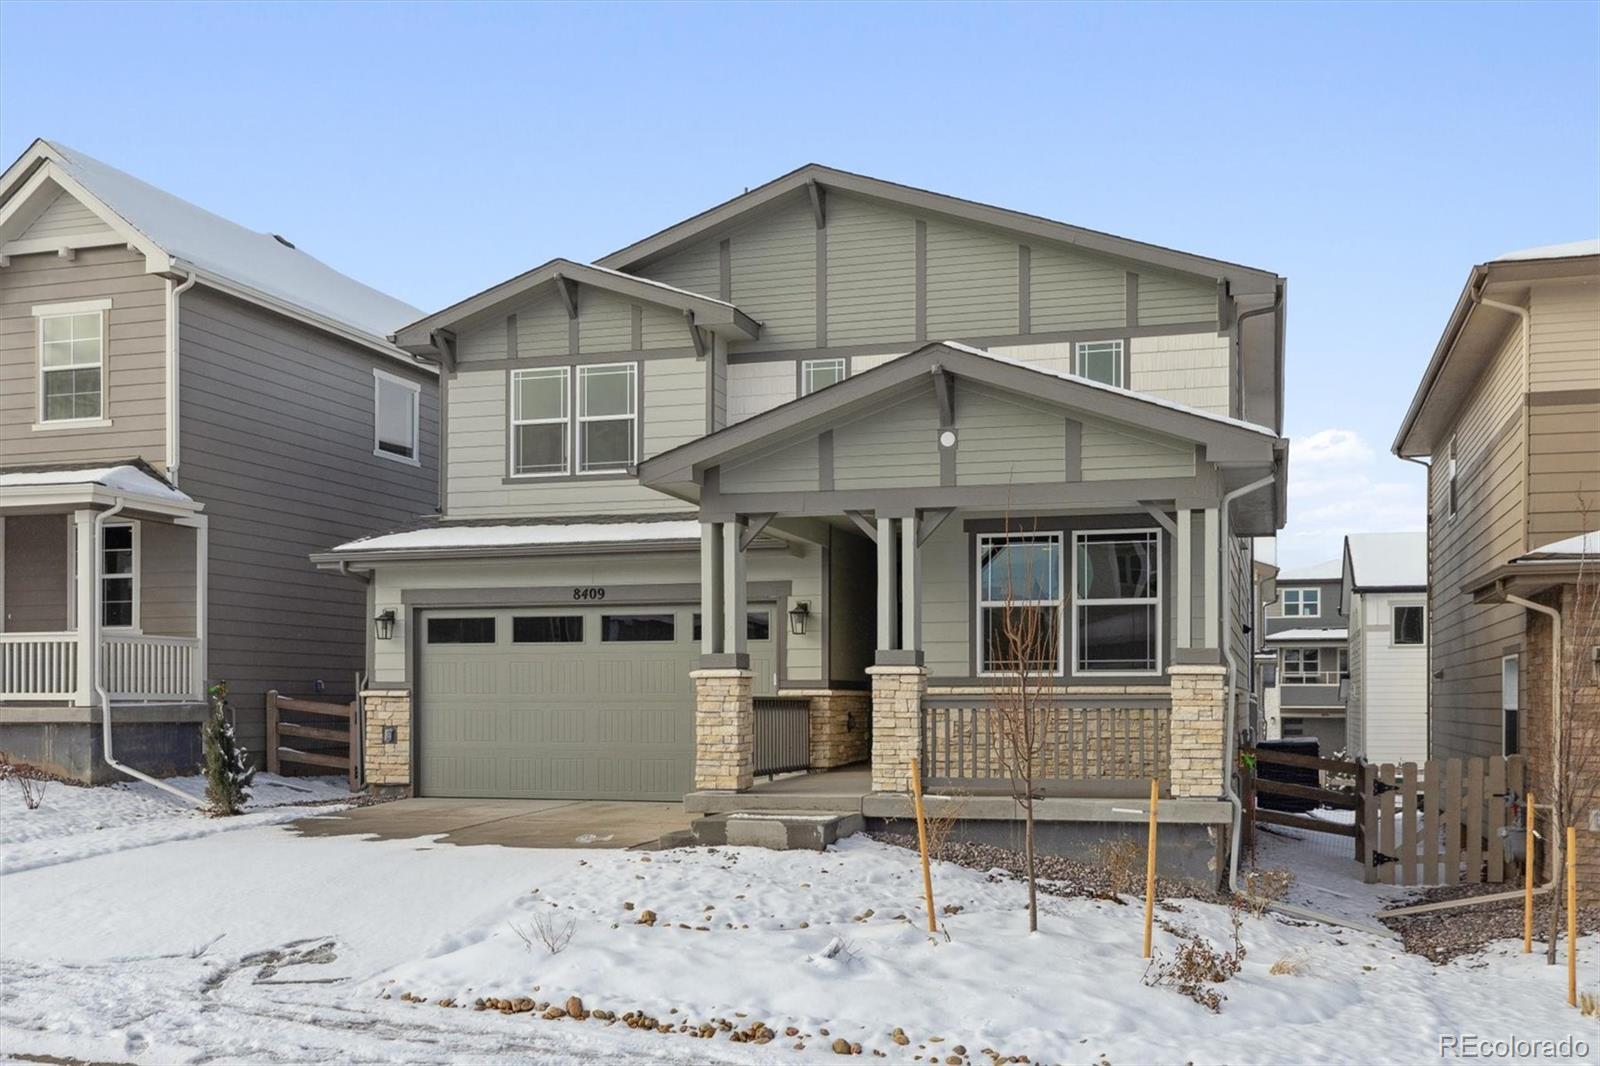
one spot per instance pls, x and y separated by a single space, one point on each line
838 721
897 693
1198 744
386 763
724 730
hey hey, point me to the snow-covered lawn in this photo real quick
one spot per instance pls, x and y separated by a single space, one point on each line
261 945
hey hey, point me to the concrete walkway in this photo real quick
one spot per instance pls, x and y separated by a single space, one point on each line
509 823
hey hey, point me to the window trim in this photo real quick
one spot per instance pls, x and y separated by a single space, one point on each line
413 387
579 419
1300 601
1060 603
1159 667
1452 471
100 569
40 313
566 420
806 365
1319 676
1121 364
1394 626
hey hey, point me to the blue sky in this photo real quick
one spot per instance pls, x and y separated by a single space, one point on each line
1369 153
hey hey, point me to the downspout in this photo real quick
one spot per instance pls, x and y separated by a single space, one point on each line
93 622
172 373
1556 651
1427 514
1238 341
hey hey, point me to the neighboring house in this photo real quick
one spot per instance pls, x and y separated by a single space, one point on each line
1307 633
792 447
1385 592
1508 417
187 408
1264 662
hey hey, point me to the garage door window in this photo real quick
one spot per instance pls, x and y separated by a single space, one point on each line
461 631
621 628
758 626
557 629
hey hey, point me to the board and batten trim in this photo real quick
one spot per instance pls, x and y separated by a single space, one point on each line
1098 333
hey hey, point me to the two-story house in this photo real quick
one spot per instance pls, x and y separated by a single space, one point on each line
1507 418
1307 634
805 449
1384 590
187 408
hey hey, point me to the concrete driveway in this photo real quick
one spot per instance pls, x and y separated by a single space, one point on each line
509 823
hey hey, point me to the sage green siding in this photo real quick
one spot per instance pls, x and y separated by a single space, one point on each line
872 273
1070 290
774 270
1166 299
1003 440
896 445
789 467
972 281
1112 454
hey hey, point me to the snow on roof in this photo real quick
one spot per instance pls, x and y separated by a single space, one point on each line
1570 250
1141 396
1329 570
659 285
217 246
444 536
125 480
1292 635
1584 544
1388 560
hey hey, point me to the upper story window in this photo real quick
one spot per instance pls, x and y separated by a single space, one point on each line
396 417
119 575
1450 478
1302 603
1304 666
540 421
608 417
1409 624
72 361
1100 361
820 373
1118 608
1021 572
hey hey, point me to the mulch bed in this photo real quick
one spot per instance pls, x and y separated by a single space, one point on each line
1444 935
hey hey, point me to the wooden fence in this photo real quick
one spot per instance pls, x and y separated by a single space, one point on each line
1262 777
330 741
962 746
1438 823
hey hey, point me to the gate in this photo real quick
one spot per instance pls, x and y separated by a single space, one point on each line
1442 823
782 734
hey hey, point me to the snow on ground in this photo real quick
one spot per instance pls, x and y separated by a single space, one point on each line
138 955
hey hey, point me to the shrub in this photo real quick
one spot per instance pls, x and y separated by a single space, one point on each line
228 772
1123 862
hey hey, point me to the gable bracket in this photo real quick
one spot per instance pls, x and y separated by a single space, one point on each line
944 387
931 520
755 525
696 336
1160 515
818 209
569 294
861 523
444 342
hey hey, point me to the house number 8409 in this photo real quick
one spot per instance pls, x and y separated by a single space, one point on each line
592 592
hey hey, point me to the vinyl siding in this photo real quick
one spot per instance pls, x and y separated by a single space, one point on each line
674 403
544 328
1563 468
1565 328
134 354
1054 357
757 387
1070 290
872 282
65 216
1394 685
1190 369
1167 299
895 445
791 467
37 573
277 433
1112 454
166 579
774 269
972 281
1355 703
860 364
1003 441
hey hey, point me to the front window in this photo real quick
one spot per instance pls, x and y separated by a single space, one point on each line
71 366
819 374
539 421
1117 602
1019 601
1100 361
607 417
118 576
1302 603
1510 705
395 404
1304 666
1409 627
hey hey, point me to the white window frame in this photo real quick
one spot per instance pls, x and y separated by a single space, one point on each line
1059 602
1514 700
100 590
1319 676
565 420
1394 626
1078 669
1451 485
415 389
632 418
1301 593
41 312
807 366
1079 350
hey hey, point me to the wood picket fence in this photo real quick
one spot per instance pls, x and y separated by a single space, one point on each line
1440 822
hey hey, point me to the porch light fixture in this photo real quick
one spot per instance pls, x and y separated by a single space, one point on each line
383 625
797 618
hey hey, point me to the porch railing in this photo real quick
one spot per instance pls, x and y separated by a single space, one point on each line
149 668
1082 747
38 666
782 734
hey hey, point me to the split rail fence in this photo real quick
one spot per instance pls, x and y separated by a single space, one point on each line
337 748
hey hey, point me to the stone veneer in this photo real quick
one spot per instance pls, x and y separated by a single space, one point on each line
897 693
838 722
1198 746
724 730
386 765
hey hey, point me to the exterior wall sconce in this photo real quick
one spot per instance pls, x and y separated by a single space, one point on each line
383 625
797 618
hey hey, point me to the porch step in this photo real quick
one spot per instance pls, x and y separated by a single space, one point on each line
779 830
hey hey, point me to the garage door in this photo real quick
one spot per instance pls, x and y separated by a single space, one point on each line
580 703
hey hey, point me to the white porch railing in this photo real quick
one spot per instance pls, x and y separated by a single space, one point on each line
38 666
149 668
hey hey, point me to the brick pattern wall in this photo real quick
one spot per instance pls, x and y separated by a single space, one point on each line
387 765
724 730
838 721
1577 611
1197 731
897 693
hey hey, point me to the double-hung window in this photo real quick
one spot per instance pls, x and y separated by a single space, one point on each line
119 576
1019 602
1303 666
395 403
540 421
1099 361
819 374
71 364
608 417
1302 603
1117 608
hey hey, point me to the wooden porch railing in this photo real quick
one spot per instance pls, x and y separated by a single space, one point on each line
1083 745
136 666
782 734
38 666
347 737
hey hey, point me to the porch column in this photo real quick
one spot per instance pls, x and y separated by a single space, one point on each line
734 629
887 601
1211 567
710 588
724 718
84 612
1184 586
202 549
897 694
910 587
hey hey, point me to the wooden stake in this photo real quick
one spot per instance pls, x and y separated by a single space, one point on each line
1572 916
1527 881
1150 866
922 843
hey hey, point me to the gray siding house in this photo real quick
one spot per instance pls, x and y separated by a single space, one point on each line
786 458
1307 634
187 409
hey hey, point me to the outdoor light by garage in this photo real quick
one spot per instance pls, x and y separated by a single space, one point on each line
797 618
383 625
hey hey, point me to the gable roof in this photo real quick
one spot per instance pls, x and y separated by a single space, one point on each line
1387 561
709 312
815 180
183 237
1327 570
